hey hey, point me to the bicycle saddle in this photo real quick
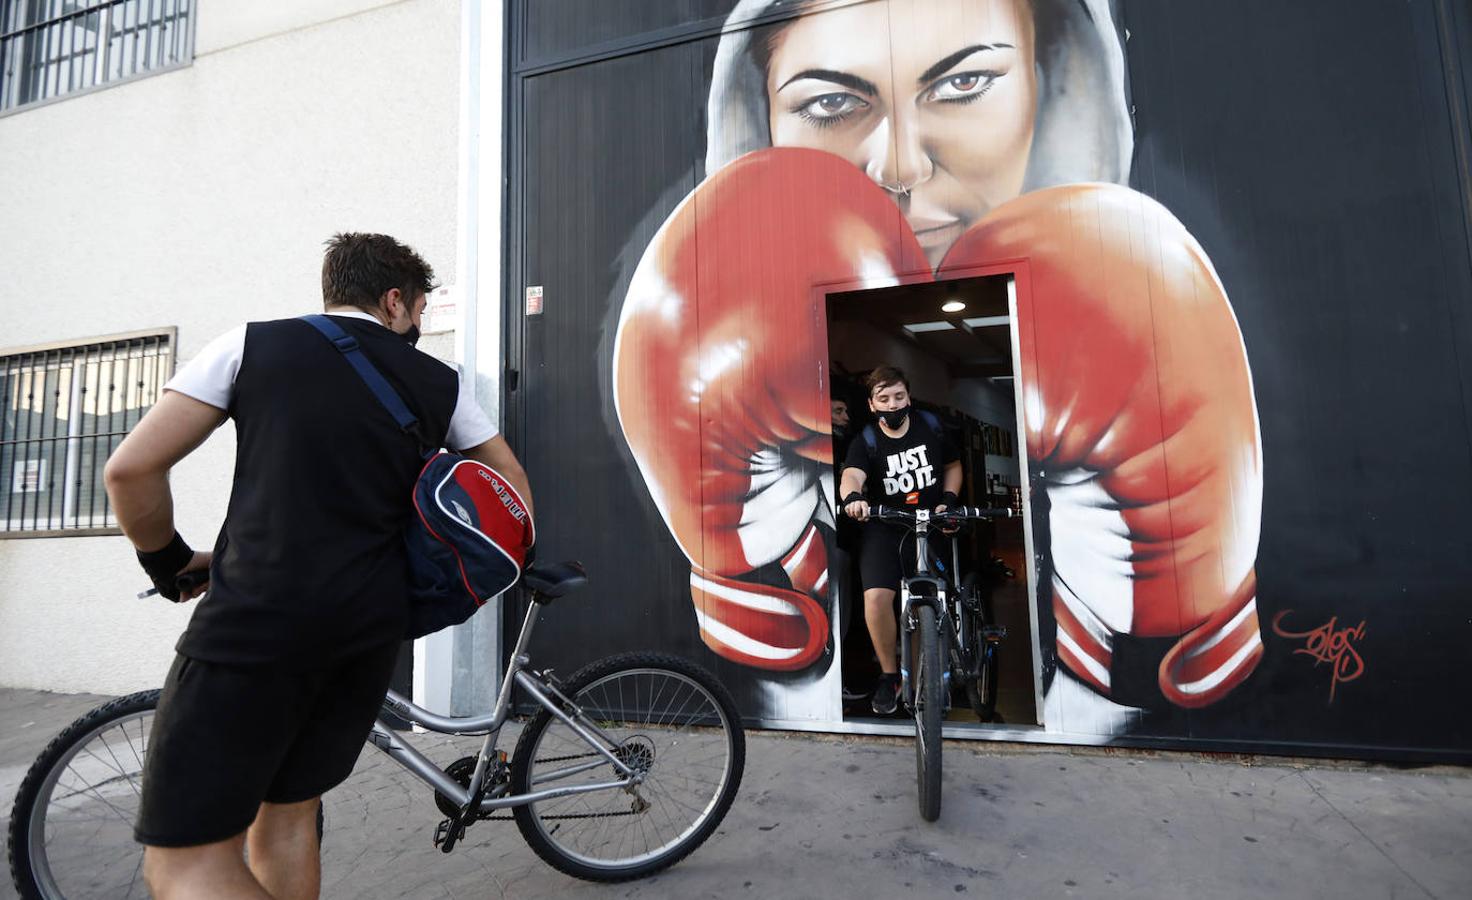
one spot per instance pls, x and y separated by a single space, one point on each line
555 579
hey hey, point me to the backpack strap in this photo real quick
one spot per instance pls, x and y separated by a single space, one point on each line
347 345
932 420
871 440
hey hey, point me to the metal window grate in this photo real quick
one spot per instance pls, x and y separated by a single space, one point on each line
65 409
51 48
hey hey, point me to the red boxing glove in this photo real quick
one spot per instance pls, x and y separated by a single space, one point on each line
1142 426
720 388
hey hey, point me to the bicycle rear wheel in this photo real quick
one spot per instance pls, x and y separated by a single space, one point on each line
930 698
71 829
667 718
981 691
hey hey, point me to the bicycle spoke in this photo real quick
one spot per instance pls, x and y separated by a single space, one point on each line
660 722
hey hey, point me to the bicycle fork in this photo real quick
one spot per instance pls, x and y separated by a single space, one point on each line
909 627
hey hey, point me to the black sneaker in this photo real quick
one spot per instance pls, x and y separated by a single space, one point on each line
886 695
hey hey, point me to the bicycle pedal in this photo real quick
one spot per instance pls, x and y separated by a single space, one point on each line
448 833
993 632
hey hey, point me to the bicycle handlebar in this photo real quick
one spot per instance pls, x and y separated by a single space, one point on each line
955 513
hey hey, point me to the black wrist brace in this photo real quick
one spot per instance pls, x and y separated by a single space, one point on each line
165 562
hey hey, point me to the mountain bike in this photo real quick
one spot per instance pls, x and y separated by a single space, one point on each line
975 638
624 768
931 613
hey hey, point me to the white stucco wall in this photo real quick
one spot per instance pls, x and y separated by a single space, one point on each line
200 198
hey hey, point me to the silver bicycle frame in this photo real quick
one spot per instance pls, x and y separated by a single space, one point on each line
546 695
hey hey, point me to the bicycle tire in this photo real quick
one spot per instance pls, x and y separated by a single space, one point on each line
30 865
929 710
981 691
591 689
26 845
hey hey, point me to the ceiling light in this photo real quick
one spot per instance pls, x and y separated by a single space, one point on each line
987 321
952 306
917 327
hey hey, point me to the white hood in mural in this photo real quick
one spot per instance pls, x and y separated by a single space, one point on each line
1083 128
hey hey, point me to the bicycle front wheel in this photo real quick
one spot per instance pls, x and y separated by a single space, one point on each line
930 698
668 719
71 829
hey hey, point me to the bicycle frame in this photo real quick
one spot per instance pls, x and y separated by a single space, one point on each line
538 688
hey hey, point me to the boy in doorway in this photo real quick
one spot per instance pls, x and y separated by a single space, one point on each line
903 459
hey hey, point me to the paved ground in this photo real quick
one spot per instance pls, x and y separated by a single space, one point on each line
824 817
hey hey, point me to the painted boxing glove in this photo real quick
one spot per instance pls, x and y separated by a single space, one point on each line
1141 428
720 386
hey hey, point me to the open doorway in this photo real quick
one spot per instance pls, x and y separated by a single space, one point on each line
953 341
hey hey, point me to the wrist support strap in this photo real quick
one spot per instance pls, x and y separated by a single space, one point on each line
166 561
853 497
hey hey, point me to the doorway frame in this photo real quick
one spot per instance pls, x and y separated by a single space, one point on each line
1019 291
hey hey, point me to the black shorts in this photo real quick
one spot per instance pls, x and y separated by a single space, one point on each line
227 738
886 555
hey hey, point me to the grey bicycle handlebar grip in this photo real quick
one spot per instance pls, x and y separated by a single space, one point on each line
186 581
987 512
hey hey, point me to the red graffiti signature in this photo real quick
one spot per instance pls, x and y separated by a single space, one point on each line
1329 644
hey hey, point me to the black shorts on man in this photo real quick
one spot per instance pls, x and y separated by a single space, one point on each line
227 737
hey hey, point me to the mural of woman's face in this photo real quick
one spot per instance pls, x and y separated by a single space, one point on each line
934 99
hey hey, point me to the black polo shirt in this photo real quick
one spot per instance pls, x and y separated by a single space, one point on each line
310 565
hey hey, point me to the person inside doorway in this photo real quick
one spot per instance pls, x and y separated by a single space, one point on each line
858 662
905 460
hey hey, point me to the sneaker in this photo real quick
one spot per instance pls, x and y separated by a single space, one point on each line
886 695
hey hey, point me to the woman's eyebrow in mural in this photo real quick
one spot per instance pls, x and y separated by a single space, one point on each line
945 65
852 82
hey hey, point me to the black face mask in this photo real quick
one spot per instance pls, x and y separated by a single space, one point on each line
893 418
412 335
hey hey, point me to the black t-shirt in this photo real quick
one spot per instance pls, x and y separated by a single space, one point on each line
310 566
903 471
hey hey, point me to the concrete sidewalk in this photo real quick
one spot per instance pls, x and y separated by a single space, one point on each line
829 817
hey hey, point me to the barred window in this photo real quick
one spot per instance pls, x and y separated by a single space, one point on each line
66 408
51 48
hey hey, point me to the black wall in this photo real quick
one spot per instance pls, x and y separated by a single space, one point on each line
1319 152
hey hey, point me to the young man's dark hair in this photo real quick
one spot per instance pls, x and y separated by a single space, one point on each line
358 269
885 375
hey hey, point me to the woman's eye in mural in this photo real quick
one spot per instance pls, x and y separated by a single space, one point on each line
963 88
830 109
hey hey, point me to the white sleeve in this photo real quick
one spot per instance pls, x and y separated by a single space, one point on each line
469 425
210 376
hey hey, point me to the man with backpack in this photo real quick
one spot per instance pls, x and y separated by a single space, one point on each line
284 664
904 460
